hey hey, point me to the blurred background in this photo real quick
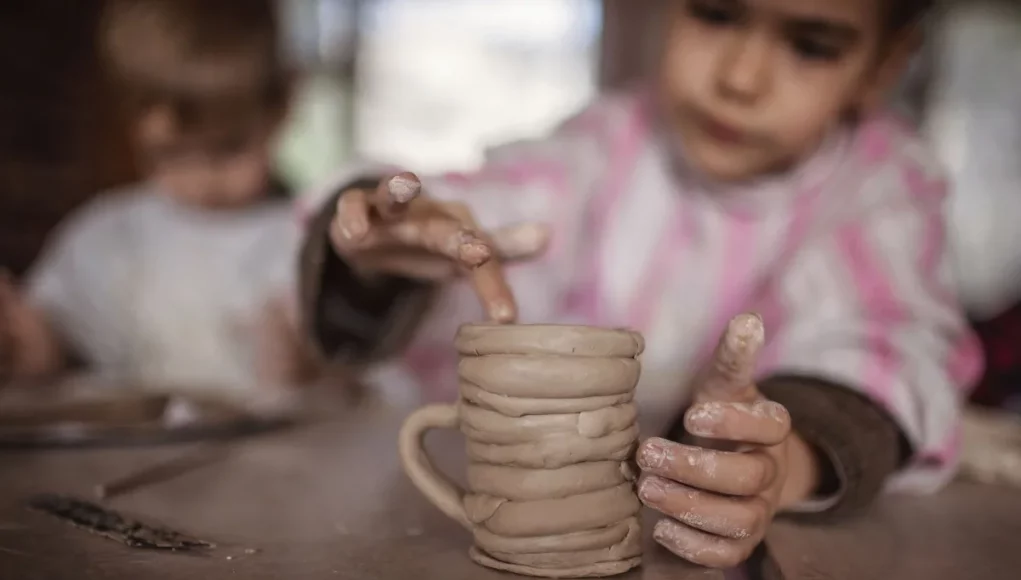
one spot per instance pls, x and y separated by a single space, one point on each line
429 84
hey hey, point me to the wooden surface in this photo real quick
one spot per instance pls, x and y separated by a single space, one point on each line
329 500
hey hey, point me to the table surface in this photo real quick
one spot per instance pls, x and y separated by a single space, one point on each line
329 500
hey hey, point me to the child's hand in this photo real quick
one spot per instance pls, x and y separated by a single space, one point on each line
395 231
27 347
721 493
283 356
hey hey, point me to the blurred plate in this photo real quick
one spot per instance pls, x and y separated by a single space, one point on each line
82 414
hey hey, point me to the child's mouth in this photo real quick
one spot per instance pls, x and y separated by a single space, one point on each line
722 132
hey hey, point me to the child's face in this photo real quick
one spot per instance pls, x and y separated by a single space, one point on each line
752 86
225 171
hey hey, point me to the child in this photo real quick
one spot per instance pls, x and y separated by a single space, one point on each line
759 175
179 281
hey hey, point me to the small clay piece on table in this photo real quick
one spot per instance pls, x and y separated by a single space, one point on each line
551 432
110 524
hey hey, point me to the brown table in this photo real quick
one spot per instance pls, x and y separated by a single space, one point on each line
329 500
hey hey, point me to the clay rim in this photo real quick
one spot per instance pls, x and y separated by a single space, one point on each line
480 339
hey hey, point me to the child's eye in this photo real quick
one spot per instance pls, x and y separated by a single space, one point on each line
714 12
815 49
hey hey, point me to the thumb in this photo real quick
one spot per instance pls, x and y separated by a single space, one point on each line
521 241
730 373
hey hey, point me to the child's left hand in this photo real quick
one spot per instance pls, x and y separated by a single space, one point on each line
721 493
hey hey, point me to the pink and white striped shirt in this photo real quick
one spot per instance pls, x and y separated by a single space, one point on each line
844 258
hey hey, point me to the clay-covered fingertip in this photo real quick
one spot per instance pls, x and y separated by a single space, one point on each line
701 419
652 453
746 331
472 250
665 531
474 254
503 313
404 187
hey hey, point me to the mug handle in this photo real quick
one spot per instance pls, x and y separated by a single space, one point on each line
436 487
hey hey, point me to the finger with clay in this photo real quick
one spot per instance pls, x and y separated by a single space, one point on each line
394 229
720 491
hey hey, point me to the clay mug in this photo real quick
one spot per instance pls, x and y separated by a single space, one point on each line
550 426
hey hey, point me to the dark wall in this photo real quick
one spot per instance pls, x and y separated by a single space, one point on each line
59 141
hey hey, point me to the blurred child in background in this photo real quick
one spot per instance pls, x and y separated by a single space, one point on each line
184 280
760 174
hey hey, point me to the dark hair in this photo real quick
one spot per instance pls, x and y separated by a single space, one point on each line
901 14
206 62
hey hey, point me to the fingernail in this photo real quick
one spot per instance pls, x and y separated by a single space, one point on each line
663 531
474 253
651 490
353 231
746 332
652 455
701 420
771 410
502 312
404 187
472 250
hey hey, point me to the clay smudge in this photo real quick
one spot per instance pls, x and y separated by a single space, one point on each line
689 544
703 460
651 490
704 416
714 524
404 187
654 454
746 331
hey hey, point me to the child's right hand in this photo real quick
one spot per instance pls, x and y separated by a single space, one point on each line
394 230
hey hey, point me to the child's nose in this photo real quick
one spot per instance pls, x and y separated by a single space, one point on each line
744 72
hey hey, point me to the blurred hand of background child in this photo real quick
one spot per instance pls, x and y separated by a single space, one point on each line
27 347
721 492
284 356
393 230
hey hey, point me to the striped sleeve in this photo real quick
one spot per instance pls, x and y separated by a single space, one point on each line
548 180
868 305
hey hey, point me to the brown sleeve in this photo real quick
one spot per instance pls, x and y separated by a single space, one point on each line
859 444
350 318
